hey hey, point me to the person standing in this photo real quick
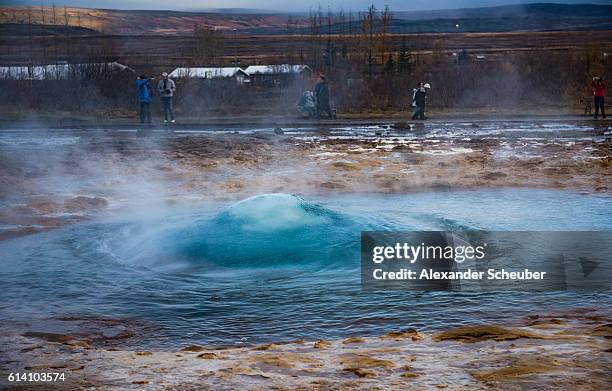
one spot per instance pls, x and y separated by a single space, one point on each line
166 89
419 96
143 90
414 91
322 95
599 93
306 105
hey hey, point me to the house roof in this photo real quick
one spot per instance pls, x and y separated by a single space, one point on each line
56 71
276 69
207 73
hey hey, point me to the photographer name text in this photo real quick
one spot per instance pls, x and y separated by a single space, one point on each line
411 254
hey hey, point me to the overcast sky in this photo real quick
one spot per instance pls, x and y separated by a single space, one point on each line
284 5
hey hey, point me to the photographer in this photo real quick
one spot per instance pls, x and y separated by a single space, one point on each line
599 92
166 88
419 95
143 89
321 91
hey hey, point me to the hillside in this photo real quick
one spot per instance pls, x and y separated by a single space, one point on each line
543 10
528 17
129 22
531 17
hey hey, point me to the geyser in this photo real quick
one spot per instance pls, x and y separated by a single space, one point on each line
271 229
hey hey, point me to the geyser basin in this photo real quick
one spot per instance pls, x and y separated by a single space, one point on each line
275 267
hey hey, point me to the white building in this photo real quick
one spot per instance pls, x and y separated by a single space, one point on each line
282 74
58 71
277 69
212 73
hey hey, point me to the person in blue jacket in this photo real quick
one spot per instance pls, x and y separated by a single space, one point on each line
143 88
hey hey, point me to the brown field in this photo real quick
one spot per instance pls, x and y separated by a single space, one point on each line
174 50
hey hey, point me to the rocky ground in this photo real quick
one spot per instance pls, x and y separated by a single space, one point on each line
56 178
560 351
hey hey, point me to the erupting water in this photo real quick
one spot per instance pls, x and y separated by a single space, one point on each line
274 267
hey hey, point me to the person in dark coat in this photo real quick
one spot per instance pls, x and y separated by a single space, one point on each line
143 89
419 96
322 95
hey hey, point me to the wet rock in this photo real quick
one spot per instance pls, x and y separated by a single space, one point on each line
481 333
265 347
545 322
402 147
517 368
362 361
42 367
345 166
278 130
401 125
86 344
12 233
331 185
45 205
353 340
402 334
30 348
233 186
298 342
284 360
321 344
494 175
49 337
360 372
207 356
192 348
604 330
82 203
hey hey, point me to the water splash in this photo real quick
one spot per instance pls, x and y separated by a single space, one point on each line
267 230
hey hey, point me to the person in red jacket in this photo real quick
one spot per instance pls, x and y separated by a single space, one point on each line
599 92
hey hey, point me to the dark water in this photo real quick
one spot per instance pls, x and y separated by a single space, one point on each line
275 267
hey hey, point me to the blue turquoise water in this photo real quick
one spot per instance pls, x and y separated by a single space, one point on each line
275 267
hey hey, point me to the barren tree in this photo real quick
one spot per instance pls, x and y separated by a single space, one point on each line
210 44
386 17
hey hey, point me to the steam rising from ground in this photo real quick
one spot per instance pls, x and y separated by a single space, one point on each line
53 178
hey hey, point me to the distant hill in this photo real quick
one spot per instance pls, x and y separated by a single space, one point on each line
240 11
545 10
140 22
529 17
